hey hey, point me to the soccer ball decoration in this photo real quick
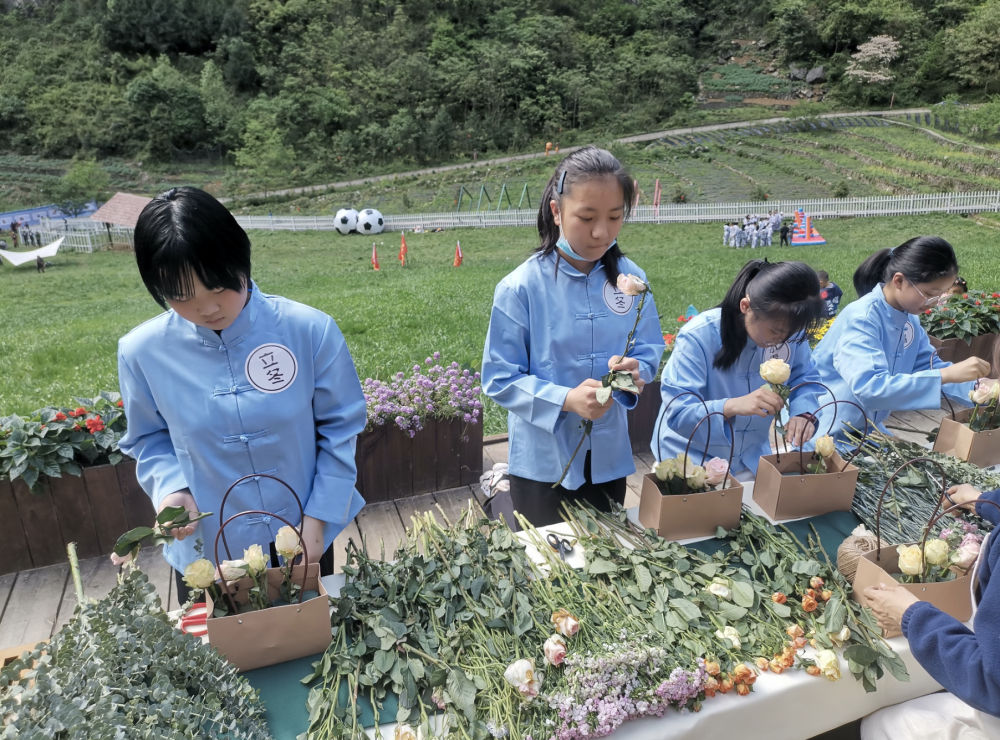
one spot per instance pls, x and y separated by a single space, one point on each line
346 220
370 221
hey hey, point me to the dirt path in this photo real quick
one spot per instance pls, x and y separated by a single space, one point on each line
565 150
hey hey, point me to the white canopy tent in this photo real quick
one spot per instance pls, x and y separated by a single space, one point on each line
19 258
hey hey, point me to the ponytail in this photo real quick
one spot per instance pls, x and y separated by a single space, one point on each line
921 259
584 164
787 291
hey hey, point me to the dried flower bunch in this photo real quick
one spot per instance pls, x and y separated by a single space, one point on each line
430 391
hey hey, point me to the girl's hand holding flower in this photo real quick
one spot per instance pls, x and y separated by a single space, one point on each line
185 499
582 400
761 402
629 365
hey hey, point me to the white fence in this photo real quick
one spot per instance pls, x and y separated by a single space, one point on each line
84 235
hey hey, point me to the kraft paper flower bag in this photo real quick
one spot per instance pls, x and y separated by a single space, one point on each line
798 484
294 627
972 434
681 500
935 570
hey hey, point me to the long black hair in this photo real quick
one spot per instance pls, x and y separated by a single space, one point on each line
921 259
584 164
185 233
788 291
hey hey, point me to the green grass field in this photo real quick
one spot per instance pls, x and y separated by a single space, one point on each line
60 328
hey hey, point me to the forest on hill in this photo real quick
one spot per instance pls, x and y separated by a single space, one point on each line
292 89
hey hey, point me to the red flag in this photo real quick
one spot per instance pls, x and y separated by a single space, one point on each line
458 254
402 249
374 257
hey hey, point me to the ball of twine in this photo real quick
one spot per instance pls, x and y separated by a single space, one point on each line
851 551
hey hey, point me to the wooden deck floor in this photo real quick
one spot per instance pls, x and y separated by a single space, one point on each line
34 604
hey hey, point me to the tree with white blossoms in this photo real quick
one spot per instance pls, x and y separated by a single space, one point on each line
869 65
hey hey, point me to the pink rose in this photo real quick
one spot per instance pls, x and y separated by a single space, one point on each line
966 554
555 650
716 471
631 285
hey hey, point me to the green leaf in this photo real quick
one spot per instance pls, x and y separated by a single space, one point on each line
462 692
862 655
806 567
643 578
131 539
743 593
599 566
688 609
834 614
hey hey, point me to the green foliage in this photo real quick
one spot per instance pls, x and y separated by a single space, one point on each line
963 316
56 440
84 181
119 665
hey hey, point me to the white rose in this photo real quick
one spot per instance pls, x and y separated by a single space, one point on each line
521 675
730 633
631 285
841 637
255 559
665 469
828 662
983 394
199 574
696 478
404 732
775 371
936 552
286 542
554 650
233 570
825 447
910 560
565 622
719 589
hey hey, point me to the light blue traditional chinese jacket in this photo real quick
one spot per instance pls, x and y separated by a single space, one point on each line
276 392
880 358
551 328
690 368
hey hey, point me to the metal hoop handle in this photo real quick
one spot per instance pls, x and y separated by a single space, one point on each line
229 490
732 443
881 498
777 452
663 415
833 421
936 517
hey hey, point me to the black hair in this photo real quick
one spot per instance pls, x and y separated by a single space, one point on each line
781 290
185 233
584 164
960 282
822 275
921 259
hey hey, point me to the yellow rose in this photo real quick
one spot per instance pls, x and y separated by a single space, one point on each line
839 638
775 371
828 662
824 446
665 469
404 732
936 552
199 574
631 285
910 561
287 543
255 559
696 478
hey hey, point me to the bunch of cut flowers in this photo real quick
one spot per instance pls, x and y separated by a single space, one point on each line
986 400
429 391
679 475
943 558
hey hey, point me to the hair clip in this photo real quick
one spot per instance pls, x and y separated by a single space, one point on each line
562 183
170 194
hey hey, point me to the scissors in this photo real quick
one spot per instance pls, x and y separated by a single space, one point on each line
560 544
195 620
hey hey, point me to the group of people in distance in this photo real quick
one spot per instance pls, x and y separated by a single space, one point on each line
755 231
233 381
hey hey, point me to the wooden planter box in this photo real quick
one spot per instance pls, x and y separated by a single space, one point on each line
642 418
956 350
92 511
443 455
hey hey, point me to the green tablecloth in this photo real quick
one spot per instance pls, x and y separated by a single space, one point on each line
284 695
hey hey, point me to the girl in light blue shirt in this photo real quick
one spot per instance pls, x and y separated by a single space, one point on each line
557 322
877 354
718 355
230 382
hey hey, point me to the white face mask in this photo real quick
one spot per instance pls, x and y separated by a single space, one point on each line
566 249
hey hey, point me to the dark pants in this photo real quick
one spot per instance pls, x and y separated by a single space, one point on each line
325 569
540 503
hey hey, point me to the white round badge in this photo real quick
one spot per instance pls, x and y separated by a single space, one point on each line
907 334
780 351
617 301
271 368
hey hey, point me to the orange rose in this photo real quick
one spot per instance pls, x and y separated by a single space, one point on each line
826 594
712 668
725 685
816 582
710 687
811 592
794 630
778 598
777 666
813 670
809 604
744 674
798 643
742 689
762 663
